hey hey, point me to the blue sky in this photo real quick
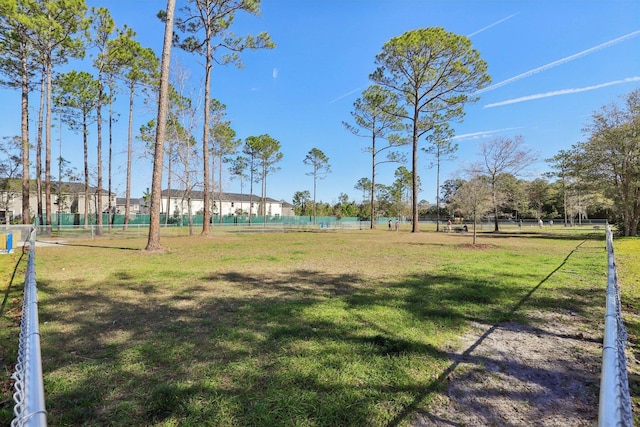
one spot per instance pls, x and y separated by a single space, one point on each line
552 64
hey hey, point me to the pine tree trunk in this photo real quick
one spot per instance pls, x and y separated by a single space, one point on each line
153 241
127 201
26 214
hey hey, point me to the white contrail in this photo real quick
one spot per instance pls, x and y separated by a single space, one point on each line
345 95
559 62
483 133
561 92
492 25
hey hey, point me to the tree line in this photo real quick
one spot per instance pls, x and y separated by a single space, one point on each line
421 83
597 178
37 37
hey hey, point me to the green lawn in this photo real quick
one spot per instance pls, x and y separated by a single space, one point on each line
287 329
12 268
627 255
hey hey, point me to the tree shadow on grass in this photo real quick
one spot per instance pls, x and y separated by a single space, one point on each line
542 235
466 355
81 245
303 346
310 282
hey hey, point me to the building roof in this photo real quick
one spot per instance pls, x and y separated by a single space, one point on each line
121 201
227 197
66 186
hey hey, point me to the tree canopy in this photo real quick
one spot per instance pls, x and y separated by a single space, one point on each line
320 167
434 74
608 160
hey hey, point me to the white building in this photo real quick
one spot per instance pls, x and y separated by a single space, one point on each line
69 197
66 197
137 206
227 204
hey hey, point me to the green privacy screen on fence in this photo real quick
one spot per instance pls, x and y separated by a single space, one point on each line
77 219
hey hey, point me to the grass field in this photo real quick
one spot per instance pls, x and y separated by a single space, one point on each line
343 328
627 254
12 279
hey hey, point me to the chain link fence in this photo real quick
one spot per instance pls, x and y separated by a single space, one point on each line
615 399
29 409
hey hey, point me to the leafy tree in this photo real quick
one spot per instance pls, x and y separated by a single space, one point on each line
10 162
378 114
68 174
75 95
301 202
110 80
180 144
153 241
103 27
16 63
401 190
36 34
147 135
224 141
266 152
319 163
502 156
56 24
211 19
515 197
344 207
576 189
250 149
610 159
447 193
238 170
473 200
539 192
561 169
363 210
449 189
136 67
386 199
365 185
573 186
434 73
441 148
325 209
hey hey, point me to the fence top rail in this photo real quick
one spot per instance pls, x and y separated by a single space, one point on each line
615 400
29 409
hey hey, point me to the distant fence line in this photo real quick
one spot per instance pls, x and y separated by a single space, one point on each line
29 409
196 220
275 224
143 219
615 399
183 220
63 232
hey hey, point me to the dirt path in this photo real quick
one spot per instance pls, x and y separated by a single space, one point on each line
545 373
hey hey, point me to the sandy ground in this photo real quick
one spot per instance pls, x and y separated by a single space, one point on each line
543 374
